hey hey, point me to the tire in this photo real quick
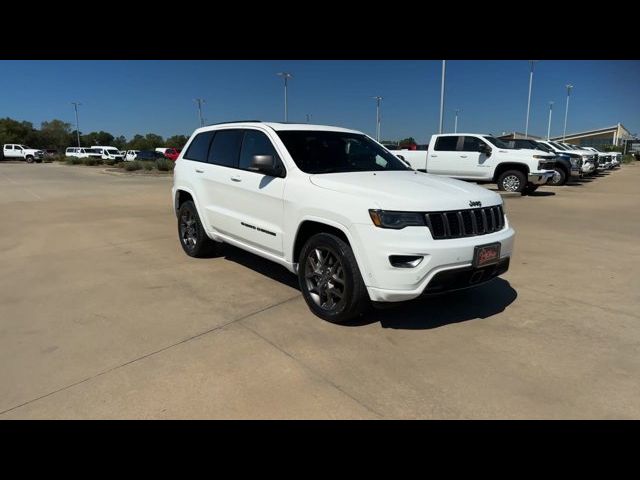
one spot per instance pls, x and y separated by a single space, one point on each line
325 262
529 189
194 240
515 180
559 177
29 158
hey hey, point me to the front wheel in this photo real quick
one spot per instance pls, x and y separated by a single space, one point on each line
330 279
29 159
512 181
559 177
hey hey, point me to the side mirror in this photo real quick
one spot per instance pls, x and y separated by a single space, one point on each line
266 164
484 148
401 157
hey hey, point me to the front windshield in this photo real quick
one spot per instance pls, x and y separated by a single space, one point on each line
497 142
558 146
316 151
543 147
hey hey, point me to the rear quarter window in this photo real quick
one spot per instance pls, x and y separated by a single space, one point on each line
447 143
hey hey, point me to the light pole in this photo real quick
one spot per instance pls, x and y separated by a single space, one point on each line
444 68
526 128
378 100
200 101
309 118
75 106
566 111
286 76
455 123
549 126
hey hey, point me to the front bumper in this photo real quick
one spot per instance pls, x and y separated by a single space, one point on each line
386 283
588 167
540 178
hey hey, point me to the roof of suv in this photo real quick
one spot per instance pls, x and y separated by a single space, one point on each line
278 126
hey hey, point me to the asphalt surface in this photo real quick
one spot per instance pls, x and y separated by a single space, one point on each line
103 316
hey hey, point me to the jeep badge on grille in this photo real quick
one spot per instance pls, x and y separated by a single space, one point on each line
475 204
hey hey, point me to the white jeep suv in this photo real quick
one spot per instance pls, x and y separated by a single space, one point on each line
354 222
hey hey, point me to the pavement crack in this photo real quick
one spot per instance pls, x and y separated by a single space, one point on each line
314 372
150 354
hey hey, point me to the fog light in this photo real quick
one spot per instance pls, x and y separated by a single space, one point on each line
405 261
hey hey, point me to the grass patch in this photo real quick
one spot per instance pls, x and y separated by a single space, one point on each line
148 166
73 161
628 158
90 162
132 166
165 165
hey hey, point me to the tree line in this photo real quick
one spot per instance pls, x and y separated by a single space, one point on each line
58 135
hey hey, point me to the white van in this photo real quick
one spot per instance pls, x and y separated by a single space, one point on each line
109 153
82 152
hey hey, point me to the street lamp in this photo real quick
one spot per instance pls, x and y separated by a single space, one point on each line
444 68
378 100
75 106
286 76
309 118
566 111
200 101
526 128
549 126
455 123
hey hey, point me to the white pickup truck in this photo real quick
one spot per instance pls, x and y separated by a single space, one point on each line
482 158
15 151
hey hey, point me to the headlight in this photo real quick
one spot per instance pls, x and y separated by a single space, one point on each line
396 220
574 162
546 157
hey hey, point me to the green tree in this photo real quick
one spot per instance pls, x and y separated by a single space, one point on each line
407 141
177 141
13 131
97 138
120 142
55 134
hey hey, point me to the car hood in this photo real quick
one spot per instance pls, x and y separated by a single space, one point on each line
407 190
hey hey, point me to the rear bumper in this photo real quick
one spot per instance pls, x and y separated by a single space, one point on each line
540 178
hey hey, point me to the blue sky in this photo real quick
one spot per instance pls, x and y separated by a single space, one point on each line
129 97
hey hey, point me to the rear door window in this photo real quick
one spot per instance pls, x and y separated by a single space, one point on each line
225 148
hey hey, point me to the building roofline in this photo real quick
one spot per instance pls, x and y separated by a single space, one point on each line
590 132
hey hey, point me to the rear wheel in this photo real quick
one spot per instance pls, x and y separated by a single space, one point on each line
330 279
512 181
194 240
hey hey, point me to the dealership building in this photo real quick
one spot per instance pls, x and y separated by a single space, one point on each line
615 135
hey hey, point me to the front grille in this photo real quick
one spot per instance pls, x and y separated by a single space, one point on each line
547 165
465 223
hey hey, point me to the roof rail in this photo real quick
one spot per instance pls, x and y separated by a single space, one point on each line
236 121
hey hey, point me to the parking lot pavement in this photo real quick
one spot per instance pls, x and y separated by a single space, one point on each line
103 316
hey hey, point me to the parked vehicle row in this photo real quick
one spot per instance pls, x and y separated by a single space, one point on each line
482 158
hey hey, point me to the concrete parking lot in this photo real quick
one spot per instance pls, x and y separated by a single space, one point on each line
103 316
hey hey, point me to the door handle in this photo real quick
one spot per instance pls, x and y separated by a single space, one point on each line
236 179
434 155
463 156
199 171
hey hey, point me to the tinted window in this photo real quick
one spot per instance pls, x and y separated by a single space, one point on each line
496 141
328 152
255 143
199 147
471 144
225 148
446 143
